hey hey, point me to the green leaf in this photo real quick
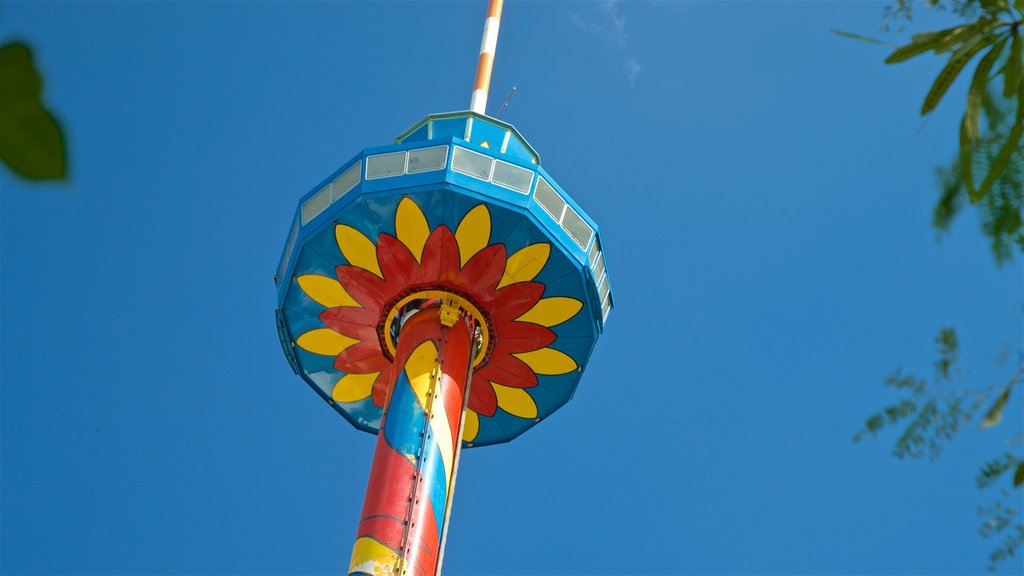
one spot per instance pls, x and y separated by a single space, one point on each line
1018 476
912 439
995 414
952 36
926 36
31 141
969 131
967 154
888 416
1006 152
896 380
939 40
1012 70
994 469
963 34
860 37
951 182
919 44
948 347
956 63
976 93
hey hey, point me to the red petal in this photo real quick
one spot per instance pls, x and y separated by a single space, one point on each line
371 292
483 271
430 262
513 301
354 330
482 399
361 358
510 371
358 323
514 337
450 263
396 262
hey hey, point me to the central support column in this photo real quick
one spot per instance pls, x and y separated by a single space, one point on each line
409 492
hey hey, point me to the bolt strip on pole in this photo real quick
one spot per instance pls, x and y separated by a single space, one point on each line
478 103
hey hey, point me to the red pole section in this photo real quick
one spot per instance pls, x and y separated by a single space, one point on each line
489 43
400 532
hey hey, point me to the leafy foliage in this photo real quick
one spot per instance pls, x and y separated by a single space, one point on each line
988 172
932 413
932 416
1002 207
1001 522
990 165
993 470
998 25
936 415
31 140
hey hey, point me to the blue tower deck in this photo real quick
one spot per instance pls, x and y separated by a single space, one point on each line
460 205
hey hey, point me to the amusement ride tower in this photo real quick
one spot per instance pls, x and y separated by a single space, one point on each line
441 292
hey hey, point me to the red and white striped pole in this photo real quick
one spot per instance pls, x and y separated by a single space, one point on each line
478 103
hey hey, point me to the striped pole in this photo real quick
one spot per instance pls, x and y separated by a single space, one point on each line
409 493
478 103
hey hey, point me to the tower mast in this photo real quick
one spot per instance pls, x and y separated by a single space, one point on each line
419 441
442 292
489 43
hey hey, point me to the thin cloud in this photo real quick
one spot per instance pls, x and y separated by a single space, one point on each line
609 25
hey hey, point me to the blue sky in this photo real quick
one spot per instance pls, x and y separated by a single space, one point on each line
763 189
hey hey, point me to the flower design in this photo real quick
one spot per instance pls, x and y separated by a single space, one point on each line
417 262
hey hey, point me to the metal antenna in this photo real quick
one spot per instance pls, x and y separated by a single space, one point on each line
478 102
507 98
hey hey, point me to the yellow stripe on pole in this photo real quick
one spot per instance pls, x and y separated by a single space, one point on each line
371 557
419 369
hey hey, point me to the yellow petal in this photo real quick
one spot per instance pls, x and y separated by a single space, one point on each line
353 387
473 233
470 426
515 401
326 291
551 311
324 341
548 361
411 227
525 264
357 249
